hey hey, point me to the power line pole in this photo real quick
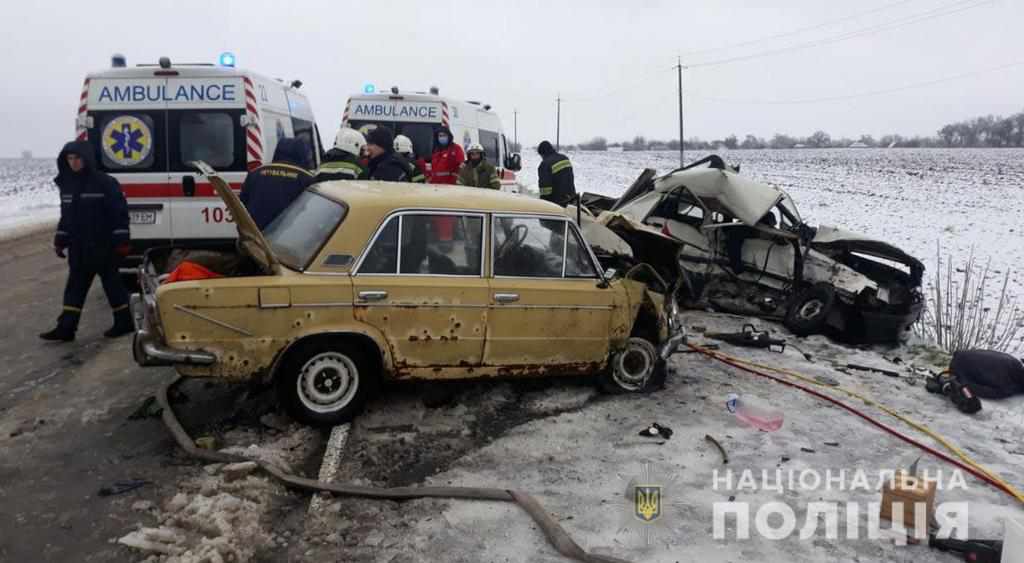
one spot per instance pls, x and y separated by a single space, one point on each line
515 128
558 123
679 70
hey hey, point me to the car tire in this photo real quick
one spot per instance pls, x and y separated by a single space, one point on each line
809 309
637 368
326 383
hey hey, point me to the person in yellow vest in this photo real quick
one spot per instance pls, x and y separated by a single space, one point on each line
476 171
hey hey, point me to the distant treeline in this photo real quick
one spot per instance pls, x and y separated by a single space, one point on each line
988 131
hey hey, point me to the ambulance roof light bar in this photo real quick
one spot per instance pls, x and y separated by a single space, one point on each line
227 59
434 90
117 60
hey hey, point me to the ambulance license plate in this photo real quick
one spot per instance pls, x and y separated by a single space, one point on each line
143 217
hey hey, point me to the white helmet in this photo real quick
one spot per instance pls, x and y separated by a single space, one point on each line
475 147
403 145
350 141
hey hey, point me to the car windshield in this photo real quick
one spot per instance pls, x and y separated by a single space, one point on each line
298 234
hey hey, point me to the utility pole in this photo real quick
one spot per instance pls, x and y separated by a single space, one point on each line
679 70
515 129
558 123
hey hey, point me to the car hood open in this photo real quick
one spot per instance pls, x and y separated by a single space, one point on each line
250 239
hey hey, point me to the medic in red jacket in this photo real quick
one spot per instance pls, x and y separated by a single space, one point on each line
445 162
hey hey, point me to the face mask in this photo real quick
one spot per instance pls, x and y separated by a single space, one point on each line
442 140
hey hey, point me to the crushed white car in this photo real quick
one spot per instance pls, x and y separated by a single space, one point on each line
743 248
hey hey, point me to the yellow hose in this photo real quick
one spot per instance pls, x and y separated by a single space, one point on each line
871 402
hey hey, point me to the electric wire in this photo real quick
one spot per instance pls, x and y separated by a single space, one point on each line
948 9
797 31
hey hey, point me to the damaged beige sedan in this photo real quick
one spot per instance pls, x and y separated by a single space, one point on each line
358 282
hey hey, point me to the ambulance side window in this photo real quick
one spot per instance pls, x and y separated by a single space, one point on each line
490 140
304 130
208 137
213 136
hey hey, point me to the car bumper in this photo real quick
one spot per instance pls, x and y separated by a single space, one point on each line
148 348
881 328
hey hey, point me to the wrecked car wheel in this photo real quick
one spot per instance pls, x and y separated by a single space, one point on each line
325 384
634 369
808 311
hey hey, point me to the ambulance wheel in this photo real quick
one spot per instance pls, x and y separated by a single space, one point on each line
637 368
809 309
325 382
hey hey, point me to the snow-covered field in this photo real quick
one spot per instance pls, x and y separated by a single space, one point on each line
28 197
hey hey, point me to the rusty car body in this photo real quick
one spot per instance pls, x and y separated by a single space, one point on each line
357 282
743 248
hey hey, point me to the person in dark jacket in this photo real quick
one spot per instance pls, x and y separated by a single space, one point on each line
269 189
554 176
384 164
93 235
342 161
404 149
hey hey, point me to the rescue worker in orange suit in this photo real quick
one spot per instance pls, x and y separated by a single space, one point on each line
445 162
554 176
93 235
269 189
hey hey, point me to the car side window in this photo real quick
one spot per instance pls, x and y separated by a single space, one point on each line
528 247
577 260
383 255
442 244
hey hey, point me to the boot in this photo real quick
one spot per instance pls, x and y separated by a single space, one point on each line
59 334
122 323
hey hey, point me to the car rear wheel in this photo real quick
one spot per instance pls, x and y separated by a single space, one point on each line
809 310
634 369
325 383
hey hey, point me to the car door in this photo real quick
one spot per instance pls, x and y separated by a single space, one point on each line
547 308
428 296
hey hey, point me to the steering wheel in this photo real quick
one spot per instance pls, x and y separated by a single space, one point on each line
513 241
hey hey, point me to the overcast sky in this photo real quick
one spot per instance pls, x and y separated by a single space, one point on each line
610 61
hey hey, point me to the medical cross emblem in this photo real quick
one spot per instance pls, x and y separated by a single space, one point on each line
127 141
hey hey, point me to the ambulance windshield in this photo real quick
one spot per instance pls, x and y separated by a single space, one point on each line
421 134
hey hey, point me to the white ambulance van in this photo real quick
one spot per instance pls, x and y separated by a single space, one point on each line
149 121
418 115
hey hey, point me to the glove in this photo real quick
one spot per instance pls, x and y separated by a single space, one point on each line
59 251
123 249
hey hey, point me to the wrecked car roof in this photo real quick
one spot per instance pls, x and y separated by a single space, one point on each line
748 200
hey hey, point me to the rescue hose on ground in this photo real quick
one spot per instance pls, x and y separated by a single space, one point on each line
965 462
555 534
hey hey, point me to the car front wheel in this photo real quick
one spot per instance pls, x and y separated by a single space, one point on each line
809 310
634 369
325 384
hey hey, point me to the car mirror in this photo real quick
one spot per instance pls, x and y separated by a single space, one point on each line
514 162
610 273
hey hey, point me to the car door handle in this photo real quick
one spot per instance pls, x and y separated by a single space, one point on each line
372 295
506 297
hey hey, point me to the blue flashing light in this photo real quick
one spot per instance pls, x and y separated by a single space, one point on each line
369 89
227 59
